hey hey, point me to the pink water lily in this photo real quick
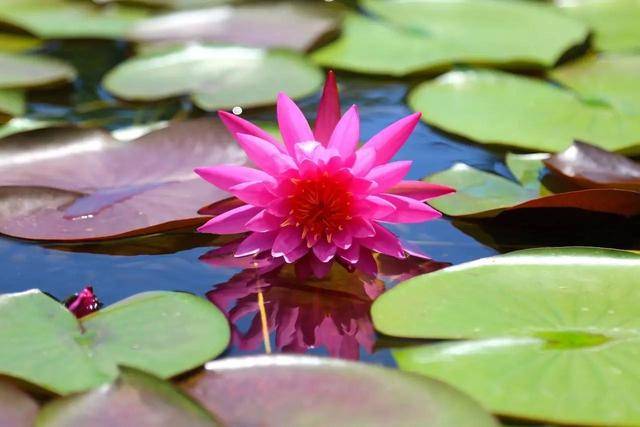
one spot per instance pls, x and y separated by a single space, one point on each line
318 197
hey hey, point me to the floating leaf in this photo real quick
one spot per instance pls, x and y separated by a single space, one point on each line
589 166
17 408
164 333
483 195
81 184
306 25
18 70
493 107
12 102
615 22
216 76
23 124
549 334
310 391
177 4
134 399
526 168
610 79
17 42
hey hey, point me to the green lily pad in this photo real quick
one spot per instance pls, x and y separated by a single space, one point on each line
549 334
12 102
494 107
216 76
274 391
17 43
612 79
164 333
17 70
17 408
134 399
526 168
23 124
61 19
614 22
177 4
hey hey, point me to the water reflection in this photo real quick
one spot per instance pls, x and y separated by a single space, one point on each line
299 315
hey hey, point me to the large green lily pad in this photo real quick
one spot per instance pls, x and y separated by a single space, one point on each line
494 107
17 43
550 334
612 79
135 399
274 391
17 408
61 19
164 333
12 102
614 22
17 70
216 76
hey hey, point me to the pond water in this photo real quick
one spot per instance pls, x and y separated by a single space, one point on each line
61 272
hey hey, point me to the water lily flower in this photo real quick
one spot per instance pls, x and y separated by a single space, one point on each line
318 197
83 303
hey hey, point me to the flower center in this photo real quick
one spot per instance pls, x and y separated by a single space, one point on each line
322 205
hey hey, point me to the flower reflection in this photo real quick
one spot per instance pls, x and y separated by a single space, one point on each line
330 313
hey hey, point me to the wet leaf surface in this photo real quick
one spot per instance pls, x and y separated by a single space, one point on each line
18 70
309 391
17 408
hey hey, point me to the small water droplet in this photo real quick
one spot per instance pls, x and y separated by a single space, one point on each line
237 110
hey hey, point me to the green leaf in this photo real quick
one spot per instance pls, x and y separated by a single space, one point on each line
274 391
17 70
493 107
134 399
164 333
526 168
614 22
17 408
12 102
549 334
62 19
611 79
17 43
216 76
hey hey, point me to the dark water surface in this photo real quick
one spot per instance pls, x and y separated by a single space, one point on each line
300 313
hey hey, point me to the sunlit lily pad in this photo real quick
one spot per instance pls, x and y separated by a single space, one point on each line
23 124
614 22
81 184
549 334
12 102
18 70
493 107
176 4
216 76
135 399
256 24
164 333
17 408
61 19
309 391
17 42
612 79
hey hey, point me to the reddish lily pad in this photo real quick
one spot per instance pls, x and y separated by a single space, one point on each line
309 391
74 184
589 166
17 408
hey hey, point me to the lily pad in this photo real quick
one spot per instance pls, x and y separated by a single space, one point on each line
18 70
615 22
17 408
217 77
12 102
135 399
164 333
609 79
61 19
498 108
81 184
548 334
589 166
18 43
306 25
526 168
311 391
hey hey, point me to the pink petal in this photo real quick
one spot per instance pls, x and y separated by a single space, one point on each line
231 222
342 239
351 255
226 176
263 222
293 125
365 159
288 239
388 175
374 207
256 243
279 207
320 269
420 190
384 242
360 227
409 210
237 124
296 253
346 135
324 251
83 303
265 155
328 110
221 206
253 193
388 141
366 262
305 150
